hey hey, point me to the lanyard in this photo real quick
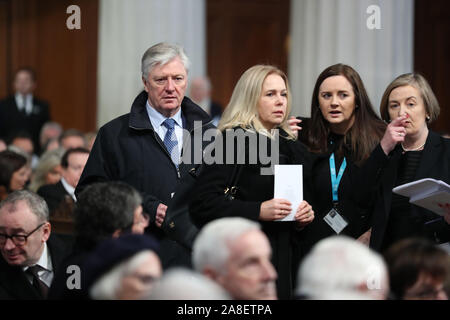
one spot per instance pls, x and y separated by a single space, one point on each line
336 180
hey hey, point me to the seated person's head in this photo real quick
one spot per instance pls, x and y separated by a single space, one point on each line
24 81
72 138
23 141
418 270
341 268
50 130
14 172
123 268
236 254
185 284
48 170
24 228
72 165
108 209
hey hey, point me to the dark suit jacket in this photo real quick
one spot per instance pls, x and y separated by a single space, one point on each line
13 281
435 163
13 121
53 194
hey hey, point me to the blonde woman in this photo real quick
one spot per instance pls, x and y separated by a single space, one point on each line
48 170
256 116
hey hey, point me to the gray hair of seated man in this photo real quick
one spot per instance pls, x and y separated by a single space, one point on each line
37 204
211 247
341 268
185 284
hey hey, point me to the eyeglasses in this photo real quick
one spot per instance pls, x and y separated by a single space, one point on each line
17 239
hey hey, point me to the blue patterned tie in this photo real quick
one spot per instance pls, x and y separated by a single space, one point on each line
170 141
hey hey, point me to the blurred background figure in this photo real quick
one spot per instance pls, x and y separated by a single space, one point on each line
418 270
235 253
48 170
2 145
90 139
24 141
22 111
72 138
341 268
200 93
185 284
14 172
124 268
61 196
50 132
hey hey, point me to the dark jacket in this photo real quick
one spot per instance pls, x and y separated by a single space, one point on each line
356 193
435 163
53 194
13 121
128 149
209 203
13 281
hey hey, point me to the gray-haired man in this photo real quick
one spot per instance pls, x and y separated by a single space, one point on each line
144 147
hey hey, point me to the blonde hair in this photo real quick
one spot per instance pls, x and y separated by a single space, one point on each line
419 82
49 160
242 111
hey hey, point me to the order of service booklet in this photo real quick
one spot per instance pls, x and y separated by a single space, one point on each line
428 193
289 186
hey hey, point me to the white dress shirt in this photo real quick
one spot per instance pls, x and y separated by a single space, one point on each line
70 190
28 105
46 274
157 120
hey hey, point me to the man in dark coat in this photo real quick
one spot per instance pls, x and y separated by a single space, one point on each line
150 148
22 112
29 256
60 196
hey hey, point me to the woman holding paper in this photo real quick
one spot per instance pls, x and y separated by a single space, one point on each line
413 152
340 136
259 105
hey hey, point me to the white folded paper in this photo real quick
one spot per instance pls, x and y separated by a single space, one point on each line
428 193
289 186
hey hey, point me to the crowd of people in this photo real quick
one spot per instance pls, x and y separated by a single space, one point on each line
138 210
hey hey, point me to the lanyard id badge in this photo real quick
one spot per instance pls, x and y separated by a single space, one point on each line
333 218
335 221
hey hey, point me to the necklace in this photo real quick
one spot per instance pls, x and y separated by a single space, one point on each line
413 149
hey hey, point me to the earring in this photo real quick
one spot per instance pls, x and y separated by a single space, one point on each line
428 118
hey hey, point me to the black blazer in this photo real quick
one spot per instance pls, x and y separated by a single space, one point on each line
53 194
208 203
435 163
13 281
13 121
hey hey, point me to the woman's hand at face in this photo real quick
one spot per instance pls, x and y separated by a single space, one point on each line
294 125
304 214
395 133
274 209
